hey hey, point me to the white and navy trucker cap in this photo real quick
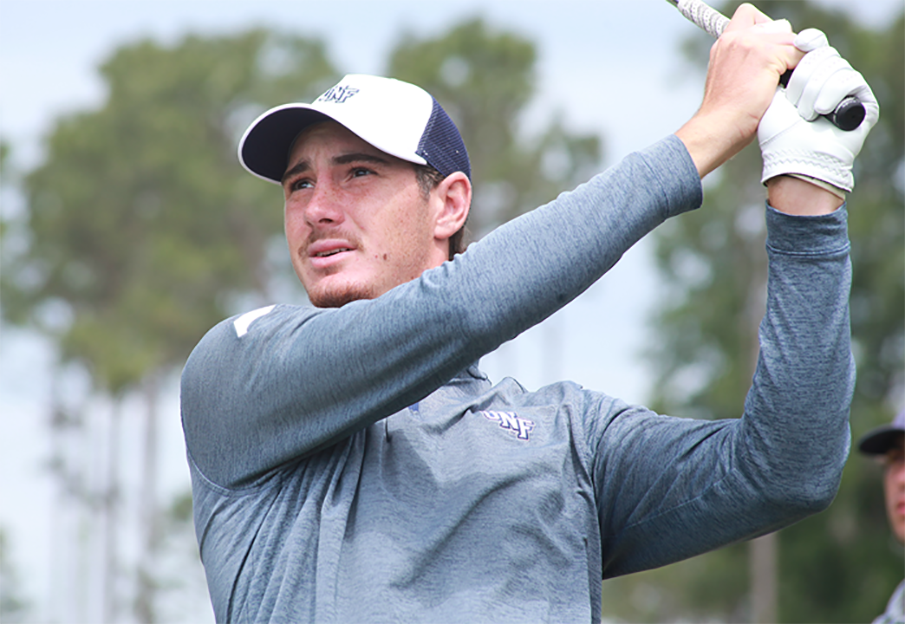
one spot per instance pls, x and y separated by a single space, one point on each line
394 116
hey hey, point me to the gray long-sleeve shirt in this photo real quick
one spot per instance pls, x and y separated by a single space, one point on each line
352 465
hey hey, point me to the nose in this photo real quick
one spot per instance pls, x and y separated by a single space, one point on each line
324 205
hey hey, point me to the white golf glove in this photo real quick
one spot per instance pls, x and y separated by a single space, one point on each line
794 139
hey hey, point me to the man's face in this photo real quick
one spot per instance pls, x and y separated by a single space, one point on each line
356 221
894 486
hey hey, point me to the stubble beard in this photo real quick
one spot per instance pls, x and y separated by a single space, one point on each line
337 298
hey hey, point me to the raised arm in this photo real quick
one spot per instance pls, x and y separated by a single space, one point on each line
700 485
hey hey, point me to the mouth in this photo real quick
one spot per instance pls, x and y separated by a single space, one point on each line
326 254
331 252
325 247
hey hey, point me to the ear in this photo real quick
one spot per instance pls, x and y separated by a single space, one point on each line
451 201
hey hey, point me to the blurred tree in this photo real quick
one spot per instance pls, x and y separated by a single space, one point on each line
141 230
485 80
141 224
837 566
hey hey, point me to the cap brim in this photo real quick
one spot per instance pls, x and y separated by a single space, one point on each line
264 149
880 440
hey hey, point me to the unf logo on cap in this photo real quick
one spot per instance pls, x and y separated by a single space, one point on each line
338 94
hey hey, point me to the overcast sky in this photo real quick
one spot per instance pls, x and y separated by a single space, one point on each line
613 68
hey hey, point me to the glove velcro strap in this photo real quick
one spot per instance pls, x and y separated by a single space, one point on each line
818 165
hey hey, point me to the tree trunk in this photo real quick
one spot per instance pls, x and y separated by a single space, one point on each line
145 596
110 504
763 552
62 550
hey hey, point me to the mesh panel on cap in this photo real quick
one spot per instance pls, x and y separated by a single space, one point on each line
441 144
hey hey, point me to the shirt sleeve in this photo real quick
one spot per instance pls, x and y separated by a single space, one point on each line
670 488
276 385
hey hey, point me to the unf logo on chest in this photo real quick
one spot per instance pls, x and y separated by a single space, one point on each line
519 427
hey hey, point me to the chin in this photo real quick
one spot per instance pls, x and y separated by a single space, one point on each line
337 297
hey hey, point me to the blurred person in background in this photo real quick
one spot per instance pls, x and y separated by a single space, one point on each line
887 444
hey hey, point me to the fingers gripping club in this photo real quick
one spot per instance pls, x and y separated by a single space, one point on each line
848 115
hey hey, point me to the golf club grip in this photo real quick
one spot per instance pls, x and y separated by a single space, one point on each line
703 16
848 115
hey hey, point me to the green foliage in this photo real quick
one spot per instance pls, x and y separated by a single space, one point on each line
694 590
485 80
840 565
140 225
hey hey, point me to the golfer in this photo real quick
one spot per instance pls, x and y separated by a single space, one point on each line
351 463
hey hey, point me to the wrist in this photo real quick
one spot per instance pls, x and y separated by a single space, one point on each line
795 196
835 190
708 147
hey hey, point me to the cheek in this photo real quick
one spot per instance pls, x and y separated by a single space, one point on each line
894 478
293 224
410 241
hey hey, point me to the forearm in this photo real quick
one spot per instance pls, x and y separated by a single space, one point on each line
805 373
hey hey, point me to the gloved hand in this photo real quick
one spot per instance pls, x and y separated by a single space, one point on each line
793 139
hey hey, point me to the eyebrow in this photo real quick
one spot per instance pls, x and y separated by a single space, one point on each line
343 159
